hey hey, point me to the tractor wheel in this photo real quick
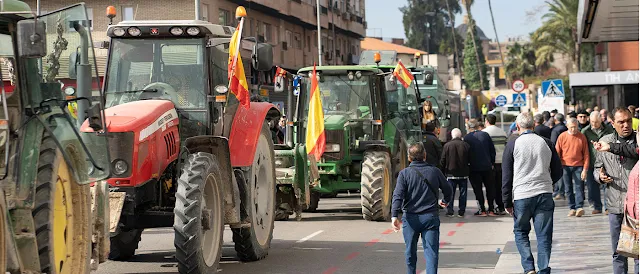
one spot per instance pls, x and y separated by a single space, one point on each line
376 186
199 215
4 231
253 243
62 214
313 201
124 245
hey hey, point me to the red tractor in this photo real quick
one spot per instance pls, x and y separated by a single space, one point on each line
184 151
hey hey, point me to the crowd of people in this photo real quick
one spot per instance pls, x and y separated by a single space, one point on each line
579 157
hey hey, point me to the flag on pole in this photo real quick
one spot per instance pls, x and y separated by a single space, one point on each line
280 72
237 79
315 126
403 74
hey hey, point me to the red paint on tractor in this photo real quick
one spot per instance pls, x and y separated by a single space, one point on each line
245 132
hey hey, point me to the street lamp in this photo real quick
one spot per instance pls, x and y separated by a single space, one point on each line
428 14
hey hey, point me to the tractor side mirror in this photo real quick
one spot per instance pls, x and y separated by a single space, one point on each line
32 39
262 57
94 115
73 64
390 83
428 78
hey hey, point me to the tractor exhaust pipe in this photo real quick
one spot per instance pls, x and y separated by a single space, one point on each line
198 13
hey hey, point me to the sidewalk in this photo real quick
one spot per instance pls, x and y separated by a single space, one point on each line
580 245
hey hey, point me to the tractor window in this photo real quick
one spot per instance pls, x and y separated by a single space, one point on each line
339 95
164 68
402 98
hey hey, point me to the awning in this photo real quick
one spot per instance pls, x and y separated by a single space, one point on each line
605 78
607 20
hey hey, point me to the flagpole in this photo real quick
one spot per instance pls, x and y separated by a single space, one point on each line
319 33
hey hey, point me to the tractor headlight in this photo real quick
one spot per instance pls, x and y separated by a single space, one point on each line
118 31
350 75
177 31
120 167
133 31
358 74
69 91
332 148
193 31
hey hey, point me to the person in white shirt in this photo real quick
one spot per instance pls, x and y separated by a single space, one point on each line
499 139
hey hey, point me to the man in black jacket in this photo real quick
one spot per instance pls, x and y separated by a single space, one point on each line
559 128
432 144
540 128
416 196
455 164
482 155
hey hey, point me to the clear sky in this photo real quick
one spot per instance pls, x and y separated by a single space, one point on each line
513 17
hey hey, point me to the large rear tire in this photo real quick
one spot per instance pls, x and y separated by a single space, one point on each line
199 220
253 243
124 244
376 186
61 214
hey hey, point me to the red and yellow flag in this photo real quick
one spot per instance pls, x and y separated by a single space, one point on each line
237 80
280 72
403 74
315 126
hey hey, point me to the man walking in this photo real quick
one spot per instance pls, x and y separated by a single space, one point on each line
558 128
482 155
432 144
573 150
593 132
540 128
416 196
583 119
530 165
499 139
613 171
455 164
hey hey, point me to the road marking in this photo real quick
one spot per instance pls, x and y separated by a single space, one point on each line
372 242
310 236
352 255
443 244
459 224
388 231
330 270
451 233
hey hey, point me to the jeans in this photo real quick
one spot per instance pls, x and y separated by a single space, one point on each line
462 201
478 178
540 209
594 191
574 190
620 263
426 226
497 185
558 187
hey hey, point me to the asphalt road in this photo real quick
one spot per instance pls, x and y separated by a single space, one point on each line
337 240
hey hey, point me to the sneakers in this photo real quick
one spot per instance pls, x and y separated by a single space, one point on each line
492 214
559 197
480 213
531 272
449 214
460 215
579 212
501 212
571 213
595 211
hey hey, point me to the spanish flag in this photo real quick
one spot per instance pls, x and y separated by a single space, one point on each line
237 80
315 126
280 72
403 74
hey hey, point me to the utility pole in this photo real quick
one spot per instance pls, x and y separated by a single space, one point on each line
471 29
453 35
319 33
499 47
333 29
197 4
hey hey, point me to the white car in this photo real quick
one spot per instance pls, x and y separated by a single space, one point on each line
506 109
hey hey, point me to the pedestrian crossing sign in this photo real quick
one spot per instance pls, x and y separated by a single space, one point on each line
553 88
519 100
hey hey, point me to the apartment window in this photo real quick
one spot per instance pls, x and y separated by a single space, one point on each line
127 13
308 44
298 40
205 12
288 36
223 17
267 32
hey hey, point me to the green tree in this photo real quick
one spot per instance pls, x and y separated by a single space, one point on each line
426 23
558 33
472 54
521 61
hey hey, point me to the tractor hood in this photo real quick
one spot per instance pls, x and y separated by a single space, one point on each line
135 116
335 121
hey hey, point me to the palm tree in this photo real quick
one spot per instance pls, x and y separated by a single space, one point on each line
520 61
559 32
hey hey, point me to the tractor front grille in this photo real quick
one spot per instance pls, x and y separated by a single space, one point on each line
334 137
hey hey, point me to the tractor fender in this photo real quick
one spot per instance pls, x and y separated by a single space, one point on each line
374 145
219 148
245 131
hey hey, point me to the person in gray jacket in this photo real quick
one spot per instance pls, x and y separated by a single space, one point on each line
613 171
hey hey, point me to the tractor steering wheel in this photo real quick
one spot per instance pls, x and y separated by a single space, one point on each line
166 90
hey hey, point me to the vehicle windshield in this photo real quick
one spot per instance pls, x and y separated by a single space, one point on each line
340 95
171 69
403 97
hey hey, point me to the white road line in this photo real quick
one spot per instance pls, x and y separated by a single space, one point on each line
310 236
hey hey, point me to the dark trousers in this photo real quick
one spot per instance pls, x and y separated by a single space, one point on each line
497 185
540 209
594 191
573 186
462 200
620 263
426 226
479 178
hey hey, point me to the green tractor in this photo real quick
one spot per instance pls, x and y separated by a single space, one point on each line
367 127
51 219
